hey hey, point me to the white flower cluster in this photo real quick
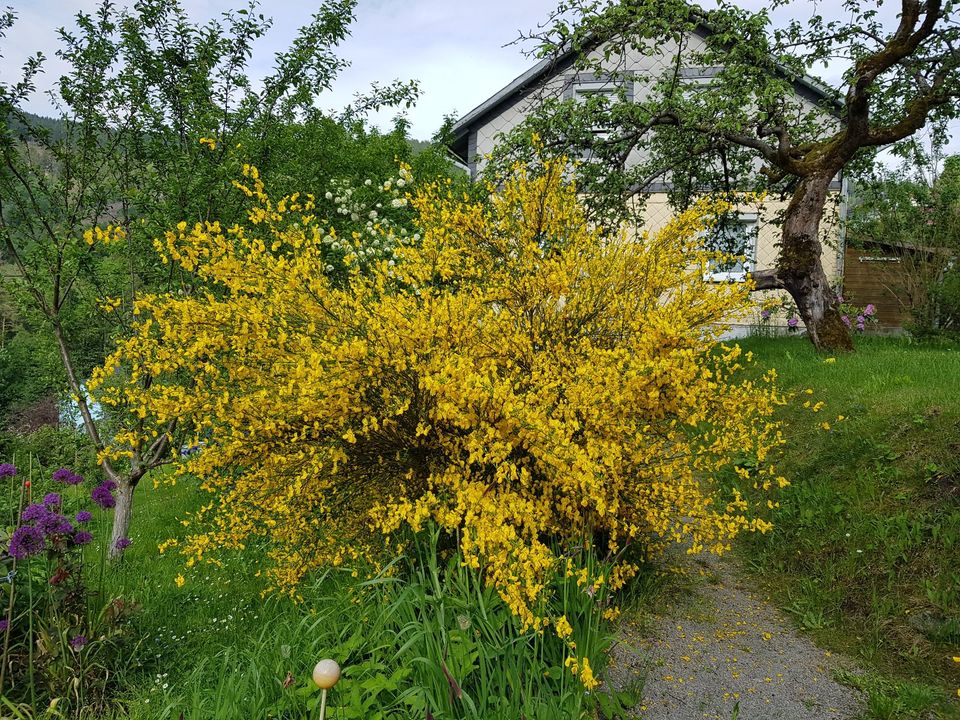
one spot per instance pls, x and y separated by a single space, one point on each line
375 212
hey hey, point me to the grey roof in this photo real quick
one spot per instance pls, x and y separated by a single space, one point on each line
522 84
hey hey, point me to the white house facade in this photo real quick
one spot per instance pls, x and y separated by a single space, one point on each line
477 133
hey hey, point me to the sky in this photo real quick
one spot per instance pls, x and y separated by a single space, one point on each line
459 50
454 48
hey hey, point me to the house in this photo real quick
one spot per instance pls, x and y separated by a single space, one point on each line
755 232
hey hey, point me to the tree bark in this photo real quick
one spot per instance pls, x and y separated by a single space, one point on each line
799 269
126 483
122 513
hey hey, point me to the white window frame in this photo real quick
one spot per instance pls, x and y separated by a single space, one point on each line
752 222
582 91
583 85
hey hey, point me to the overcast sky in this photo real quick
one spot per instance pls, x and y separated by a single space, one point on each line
455 48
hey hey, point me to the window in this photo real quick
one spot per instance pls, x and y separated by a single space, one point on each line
734 234
599 91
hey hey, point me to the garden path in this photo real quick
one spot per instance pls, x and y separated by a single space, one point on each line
720 650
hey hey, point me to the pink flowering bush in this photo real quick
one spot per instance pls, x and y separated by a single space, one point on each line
856 318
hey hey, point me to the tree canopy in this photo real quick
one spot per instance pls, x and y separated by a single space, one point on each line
707 99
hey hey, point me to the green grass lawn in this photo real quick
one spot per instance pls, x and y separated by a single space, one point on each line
866 547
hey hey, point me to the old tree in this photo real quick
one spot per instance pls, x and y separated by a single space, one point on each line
749 119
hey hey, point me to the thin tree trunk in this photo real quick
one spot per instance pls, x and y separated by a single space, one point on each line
799 269
121 517
126 483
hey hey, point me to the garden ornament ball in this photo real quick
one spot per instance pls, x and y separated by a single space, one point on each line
326 674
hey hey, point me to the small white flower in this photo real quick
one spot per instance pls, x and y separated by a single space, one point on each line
372 215
329 195
354 217
368 182
401 182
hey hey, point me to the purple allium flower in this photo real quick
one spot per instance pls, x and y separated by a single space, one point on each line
78 642
52 499
869 309
82 537
32 513
4 624
765 314
26 541
109 485
123 543
793 322
846 320
102 496
67 477
62 475
54 524
84 516
7 470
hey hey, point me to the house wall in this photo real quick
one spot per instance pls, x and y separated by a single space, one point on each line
657 213
643 67
486 131
636 63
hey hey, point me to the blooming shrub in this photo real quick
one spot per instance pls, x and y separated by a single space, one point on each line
507 372
856 318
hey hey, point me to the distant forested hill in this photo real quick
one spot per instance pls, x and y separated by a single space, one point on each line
58 128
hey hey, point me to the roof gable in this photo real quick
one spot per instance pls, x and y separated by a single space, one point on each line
805 86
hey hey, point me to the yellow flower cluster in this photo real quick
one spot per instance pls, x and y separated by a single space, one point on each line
512 375
581 667
107 236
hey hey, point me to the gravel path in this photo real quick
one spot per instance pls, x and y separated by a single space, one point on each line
720 645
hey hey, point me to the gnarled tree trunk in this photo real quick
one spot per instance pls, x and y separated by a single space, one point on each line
799 269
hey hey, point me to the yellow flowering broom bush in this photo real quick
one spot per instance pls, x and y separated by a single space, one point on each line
511 374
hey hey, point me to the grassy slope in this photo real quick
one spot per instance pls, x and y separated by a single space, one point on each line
866 550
